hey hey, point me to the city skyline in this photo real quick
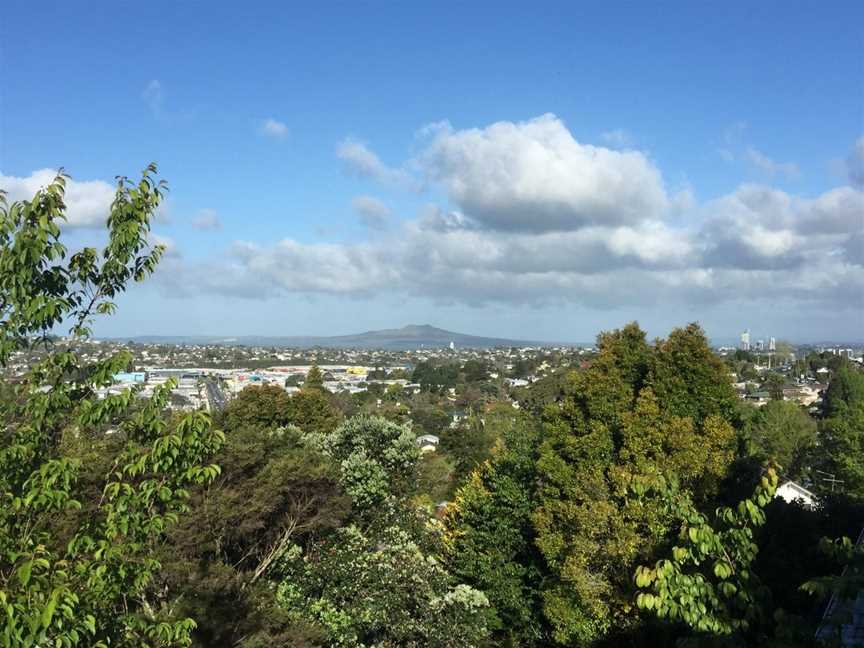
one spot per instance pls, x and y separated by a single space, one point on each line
531 179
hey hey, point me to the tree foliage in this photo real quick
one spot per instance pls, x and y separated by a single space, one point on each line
841 431
66 579
783 432
489 536
314 379
273 493
377 459
707 581
381 590
612 427
270 406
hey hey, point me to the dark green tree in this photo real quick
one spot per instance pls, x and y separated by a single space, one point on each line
489 536
264 405
273 493
841 431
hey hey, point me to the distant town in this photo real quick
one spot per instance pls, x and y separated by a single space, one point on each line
209 375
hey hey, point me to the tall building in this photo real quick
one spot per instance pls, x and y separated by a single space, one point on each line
745 340
760 345
772 344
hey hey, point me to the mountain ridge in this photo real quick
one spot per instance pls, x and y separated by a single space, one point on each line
412 336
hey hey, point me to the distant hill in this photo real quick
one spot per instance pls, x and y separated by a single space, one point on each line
408 337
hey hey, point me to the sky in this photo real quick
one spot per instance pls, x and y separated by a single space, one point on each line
526 170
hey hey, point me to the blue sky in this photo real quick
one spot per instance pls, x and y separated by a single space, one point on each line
539 170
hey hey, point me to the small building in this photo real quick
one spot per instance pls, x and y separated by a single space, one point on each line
790 491
131 377
428 442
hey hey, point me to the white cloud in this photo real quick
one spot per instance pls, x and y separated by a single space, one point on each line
206 219
273 128
530 215
373 213
360 161
153 96
87 202
758 227
535 176
753 242
765 164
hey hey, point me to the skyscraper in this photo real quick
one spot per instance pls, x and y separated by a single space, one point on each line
745 340
772 344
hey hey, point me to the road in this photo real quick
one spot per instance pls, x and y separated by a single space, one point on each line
215 396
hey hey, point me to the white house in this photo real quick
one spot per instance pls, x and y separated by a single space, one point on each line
427 442
790 491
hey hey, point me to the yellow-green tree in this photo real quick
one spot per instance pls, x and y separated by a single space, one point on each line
71 578
637 409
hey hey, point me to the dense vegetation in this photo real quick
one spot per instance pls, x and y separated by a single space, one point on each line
627 501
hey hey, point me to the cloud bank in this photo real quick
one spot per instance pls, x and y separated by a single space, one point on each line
534 216
526 214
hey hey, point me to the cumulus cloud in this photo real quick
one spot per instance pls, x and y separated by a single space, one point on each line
530 215
765 164
273 128
206 219
751 243
373 213
758 227
534 176
88 202
360 161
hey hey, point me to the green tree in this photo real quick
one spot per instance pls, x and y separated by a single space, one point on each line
381 590
783 432
264 405
269 406
435 479
775 383
314 379
273 492
845 391
841 431
377 459
312 411
614 425
468 444
689 379
475 371
707 581
489 536
69 579
842 589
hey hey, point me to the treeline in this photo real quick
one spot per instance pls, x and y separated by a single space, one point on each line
626 502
